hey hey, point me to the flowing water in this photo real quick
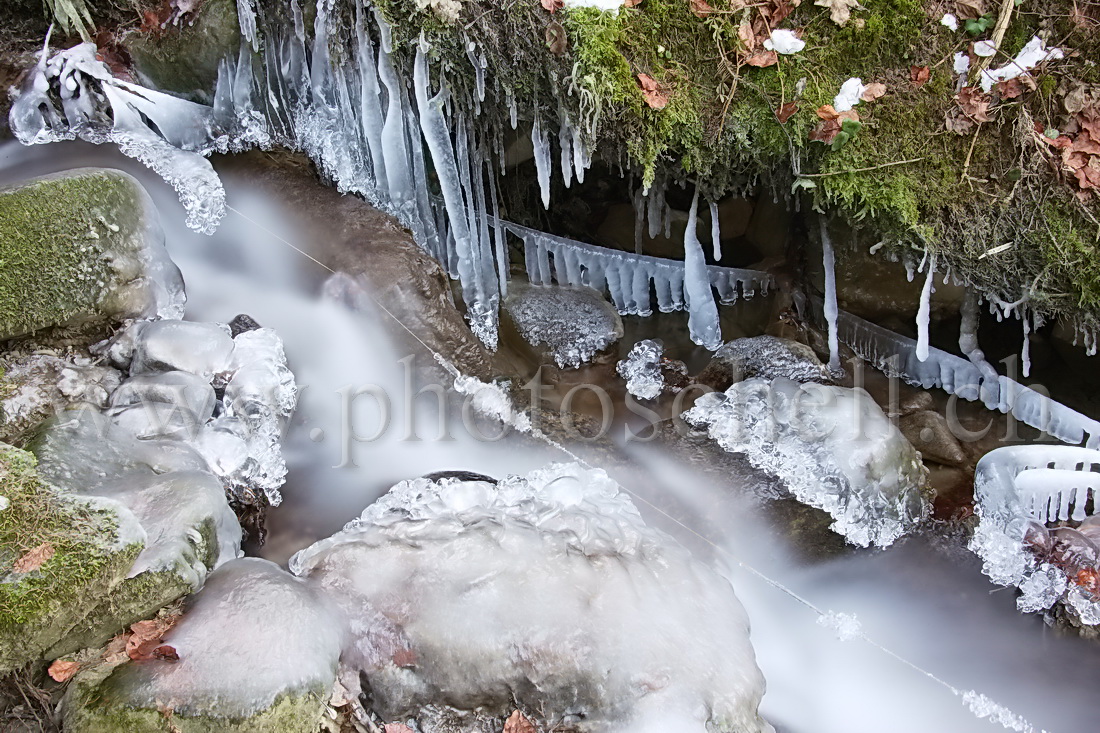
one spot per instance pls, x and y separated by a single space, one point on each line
924 599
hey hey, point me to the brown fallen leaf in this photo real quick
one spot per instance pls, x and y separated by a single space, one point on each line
631 3
826 131
840 11
701 9
396 728
873 91
919 75
166 653
974 103
970 9
786 111
34 559
518 723
655 96
553 5
826 112
746 36
62 670
146 636
1062 142
955 121
1009 89
404 658
115 651
779 10
762 59
556 39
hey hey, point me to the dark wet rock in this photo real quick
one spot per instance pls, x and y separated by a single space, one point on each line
242 324
767 357
459 476
930 433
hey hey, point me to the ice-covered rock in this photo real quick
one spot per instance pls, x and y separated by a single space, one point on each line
642 369
766 357
547 591
257 651
202 349
572 324
38 386
184 390
833 448
82 247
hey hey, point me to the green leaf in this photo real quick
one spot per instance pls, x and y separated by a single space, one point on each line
840 140
851 127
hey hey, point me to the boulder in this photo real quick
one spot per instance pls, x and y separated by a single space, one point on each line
568 325
930 433
257 651
82 247
183 57
766 357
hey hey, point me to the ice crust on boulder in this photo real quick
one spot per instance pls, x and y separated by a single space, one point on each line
642 369
202 349
572 323
770 357
252 634
548 591
832 446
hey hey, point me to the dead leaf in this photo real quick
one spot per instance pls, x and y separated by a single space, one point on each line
1010 88
1062 142
701 9
826 112
553 5
762 59
779 11
115 651
396 728
873 91
62 670
786 111
34 559
919 75
518 723
404 658
970 9
848 114
840 11
746 36
631 3
826 131
166 653
655 96
556 39
974 103
147 636
955 121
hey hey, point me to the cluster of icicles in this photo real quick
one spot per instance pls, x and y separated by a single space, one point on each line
358 120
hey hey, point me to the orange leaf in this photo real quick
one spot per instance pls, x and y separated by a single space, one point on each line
761 59
1010 88
701 9
518 723
147 636
34 559
166 653
631 3
62 670
786 111
826 131
919 75
873 91
974 103
396 728
655 96
552 5
826 112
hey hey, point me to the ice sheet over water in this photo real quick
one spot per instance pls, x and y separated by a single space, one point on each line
663 643
573 323
832 446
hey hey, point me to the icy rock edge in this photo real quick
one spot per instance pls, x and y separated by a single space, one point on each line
663 644
833 448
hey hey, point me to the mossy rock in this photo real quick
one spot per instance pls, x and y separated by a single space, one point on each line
73 251
88 561
183 59
94 704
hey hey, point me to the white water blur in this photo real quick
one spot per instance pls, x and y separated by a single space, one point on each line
931 606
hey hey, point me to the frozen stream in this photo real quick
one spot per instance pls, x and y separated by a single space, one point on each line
925 600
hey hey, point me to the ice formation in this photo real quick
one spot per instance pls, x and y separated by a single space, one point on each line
597 621
1019 491
950 21
896 354
573 323
642 369
849 95
784 41
1030 56
830 309
846 625
924 311
252 634
770 357
703 326
832 446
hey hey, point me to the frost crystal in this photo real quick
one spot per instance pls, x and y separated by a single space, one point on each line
950 21
833 447
848 97
846 625
574 324
784 41
642 369
1030 56
983 707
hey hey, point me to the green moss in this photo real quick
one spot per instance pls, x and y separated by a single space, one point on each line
39 607
62 241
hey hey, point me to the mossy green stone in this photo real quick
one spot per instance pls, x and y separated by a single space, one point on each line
68 244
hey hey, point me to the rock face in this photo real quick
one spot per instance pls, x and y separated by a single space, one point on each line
183 57
257 652
60 557
766 357
546 591
566 324
82 247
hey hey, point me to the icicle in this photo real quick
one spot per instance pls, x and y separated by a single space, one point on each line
968 345
500 238
541 143
924 310
565 141
394 151
513 112
702 312
829 265
1025 350
639 220
655 207
715 232
582 160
